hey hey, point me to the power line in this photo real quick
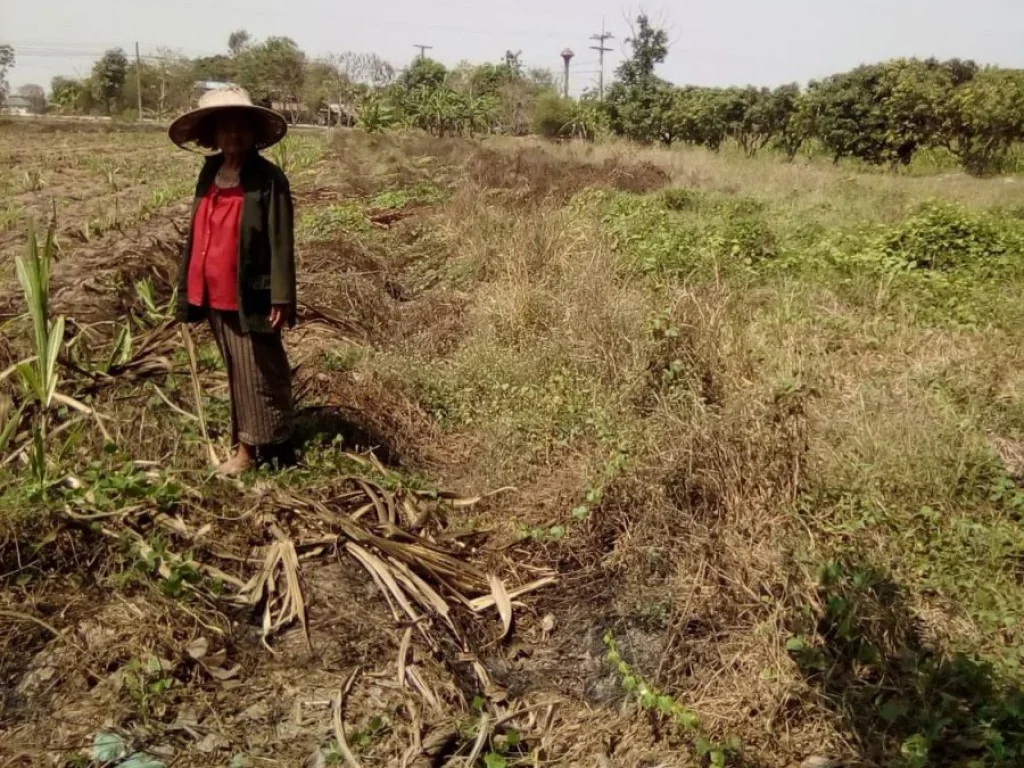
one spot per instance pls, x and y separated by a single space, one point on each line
423 49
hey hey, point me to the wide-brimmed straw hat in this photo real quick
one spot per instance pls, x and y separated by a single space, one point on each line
190 132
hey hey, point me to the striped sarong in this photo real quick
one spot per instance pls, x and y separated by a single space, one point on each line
260 380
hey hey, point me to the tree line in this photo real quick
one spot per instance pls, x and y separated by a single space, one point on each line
346 88
881 114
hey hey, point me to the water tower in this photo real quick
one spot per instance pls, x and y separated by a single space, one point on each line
567 55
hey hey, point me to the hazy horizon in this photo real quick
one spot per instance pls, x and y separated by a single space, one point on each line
731 43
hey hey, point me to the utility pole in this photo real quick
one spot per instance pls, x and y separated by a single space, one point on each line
601 51
423 49
567 55
163 85
138 78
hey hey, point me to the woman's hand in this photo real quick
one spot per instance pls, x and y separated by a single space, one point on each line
278 316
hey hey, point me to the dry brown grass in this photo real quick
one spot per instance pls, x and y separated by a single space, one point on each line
718 430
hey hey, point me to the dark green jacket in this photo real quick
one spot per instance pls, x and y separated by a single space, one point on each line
266 248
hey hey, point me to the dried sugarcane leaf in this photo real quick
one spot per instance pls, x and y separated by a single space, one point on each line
413 674
483 733
483 603
427 595
374 563
361 511
81 407
338 723
253 590
281 606
378 505
172 406
413 515
501 599
382 587
290 561
389 502
403 653
468 501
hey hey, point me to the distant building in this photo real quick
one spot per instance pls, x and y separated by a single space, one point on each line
338 114
17 105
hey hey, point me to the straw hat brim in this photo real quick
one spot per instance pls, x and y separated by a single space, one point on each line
271 127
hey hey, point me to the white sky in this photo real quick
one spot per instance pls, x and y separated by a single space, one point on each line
714 42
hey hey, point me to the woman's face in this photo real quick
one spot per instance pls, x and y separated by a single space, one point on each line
233 132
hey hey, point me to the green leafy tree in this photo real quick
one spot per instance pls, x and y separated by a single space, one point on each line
176 82
273 72
910 95
883 113
36 96
6 62
983 118
424 72
322 86
640 104
789 109
489 78
758 116
218 68
67 93
649 48
237 41
844 120
510 90
700 116
108 79
149 75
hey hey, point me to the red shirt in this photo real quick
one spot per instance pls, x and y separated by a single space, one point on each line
213 267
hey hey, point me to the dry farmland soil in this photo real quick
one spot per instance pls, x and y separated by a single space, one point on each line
605 456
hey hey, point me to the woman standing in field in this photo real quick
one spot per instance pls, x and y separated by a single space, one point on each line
238 271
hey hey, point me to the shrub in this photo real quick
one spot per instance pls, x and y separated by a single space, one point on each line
944 236
651 237
750 238
552 116
683 199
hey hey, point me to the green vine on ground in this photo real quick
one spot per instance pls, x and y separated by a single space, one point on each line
716 754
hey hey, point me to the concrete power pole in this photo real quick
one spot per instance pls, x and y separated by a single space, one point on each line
601 51
423 49
567 55
138 78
